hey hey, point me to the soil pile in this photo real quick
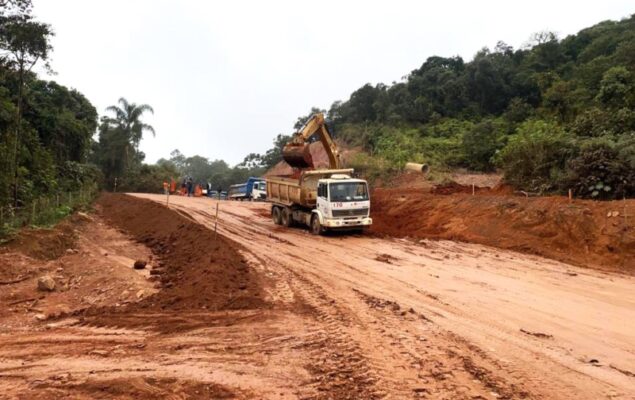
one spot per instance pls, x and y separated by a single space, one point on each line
320 160
587 233
77 265
45 244
197 270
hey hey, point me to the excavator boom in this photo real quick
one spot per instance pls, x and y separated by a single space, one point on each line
296 153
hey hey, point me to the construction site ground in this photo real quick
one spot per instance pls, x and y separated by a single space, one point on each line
239 308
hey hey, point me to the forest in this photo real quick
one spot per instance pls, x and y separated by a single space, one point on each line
46 129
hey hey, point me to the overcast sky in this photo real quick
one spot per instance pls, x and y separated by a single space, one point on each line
225 77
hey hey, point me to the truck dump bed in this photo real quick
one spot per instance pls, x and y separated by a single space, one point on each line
300 191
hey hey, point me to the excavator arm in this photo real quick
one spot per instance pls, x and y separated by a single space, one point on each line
296 153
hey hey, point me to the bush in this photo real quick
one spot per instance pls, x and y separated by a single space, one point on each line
480 144
399 146
603 169
534 158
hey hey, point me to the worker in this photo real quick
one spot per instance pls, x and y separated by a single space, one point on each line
165 187
190 186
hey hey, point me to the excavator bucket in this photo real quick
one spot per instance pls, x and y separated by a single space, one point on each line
297 155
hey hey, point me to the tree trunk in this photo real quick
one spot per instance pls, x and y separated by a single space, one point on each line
17 135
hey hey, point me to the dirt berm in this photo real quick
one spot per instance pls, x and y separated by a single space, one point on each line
587 233
197 269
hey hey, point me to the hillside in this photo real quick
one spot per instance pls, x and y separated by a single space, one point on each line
552 116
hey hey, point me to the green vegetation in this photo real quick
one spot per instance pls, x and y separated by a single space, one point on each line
117 152
554 115
45 129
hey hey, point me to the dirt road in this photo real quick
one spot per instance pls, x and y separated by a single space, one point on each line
268 312
439 319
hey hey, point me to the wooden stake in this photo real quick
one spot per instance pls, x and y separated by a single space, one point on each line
625 216
216 222
473 190
570 195
167 200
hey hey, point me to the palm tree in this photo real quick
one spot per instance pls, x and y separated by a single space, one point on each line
128 119
128 125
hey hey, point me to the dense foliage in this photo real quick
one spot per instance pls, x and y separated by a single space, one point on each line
45 128
554 115
117 151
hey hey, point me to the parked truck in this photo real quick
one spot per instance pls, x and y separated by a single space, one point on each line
253 189
323 199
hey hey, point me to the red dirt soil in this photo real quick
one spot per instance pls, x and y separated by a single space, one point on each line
197 269
320 159
90 263
586 233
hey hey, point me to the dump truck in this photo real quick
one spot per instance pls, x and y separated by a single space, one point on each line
322 199
253 189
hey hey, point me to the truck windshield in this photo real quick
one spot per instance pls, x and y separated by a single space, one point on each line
348 191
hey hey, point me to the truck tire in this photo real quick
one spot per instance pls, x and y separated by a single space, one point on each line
316 226
275 215
285 217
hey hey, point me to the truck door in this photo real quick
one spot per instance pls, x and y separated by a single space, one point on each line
322 201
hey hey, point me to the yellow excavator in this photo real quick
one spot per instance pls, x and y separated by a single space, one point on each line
296 153
323 199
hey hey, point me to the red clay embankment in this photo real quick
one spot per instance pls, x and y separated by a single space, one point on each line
587 233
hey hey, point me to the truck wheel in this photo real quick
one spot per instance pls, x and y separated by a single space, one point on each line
275 215
316 226
285 217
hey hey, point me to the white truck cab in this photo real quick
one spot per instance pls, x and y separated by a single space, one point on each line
259 191
343 202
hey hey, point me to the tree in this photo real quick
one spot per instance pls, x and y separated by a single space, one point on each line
64 119
480 145
616 88
24 42
128 119
120 137
301 121
178 159
534 158
15 6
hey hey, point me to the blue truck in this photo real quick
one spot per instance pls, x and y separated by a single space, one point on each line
252 190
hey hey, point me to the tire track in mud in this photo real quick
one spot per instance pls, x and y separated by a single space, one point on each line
334 359
445 364
508 364
340 369
337 367
437 370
